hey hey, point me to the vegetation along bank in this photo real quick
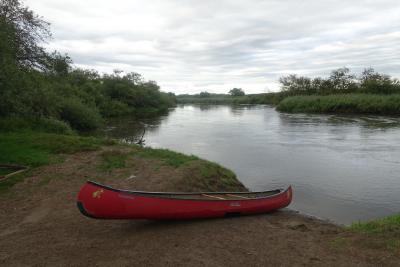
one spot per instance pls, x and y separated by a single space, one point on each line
342 92
36 84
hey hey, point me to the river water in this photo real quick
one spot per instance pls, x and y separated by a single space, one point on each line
342 168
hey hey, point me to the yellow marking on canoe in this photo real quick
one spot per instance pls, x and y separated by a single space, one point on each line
97 194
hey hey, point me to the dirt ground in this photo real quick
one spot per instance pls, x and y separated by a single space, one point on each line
40 225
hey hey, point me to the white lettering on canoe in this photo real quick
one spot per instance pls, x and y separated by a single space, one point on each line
126 196
235 204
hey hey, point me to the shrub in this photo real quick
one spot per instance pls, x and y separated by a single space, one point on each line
114 108
48 125
80 116
346 103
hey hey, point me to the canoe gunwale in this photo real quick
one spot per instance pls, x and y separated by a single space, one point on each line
163 195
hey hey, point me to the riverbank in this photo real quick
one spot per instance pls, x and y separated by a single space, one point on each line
221 99
343 104
368 104
42 218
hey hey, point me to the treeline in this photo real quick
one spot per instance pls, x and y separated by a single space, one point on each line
216 99
342 92
44 87
341 81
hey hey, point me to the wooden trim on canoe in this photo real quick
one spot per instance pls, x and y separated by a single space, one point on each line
232 195
213 196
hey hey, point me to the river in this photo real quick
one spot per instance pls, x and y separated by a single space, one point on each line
342 168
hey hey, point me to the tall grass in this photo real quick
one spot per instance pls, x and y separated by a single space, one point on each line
345 104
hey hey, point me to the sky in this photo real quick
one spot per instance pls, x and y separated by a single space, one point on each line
189 46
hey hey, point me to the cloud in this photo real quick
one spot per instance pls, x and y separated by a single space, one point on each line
189 46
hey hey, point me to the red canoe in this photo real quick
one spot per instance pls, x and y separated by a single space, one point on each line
103 202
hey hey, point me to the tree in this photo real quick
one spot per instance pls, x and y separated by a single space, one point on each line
236 92
343 80
205 94
295 84
135 78
59 65
28 31
374 82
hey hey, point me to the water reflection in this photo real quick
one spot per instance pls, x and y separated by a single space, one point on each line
344 168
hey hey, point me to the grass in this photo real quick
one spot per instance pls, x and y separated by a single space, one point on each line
113 160
212 169
386 225
37 148
343 104
47 125
34 149
380 233
168 157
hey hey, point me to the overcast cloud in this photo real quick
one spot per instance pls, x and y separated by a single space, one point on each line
190 46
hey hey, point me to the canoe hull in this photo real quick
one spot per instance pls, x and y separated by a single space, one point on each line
102 202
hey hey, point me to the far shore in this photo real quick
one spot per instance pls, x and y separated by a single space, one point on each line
351 103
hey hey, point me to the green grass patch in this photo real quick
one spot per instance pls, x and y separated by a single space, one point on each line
381 233
169 157
343 104
385 225
216 177
211 169
35 148
113 160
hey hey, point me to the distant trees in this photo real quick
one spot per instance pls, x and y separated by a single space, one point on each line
340 81
204 94
373 82
236 92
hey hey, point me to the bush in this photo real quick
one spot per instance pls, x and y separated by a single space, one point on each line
346 103
51 125
114 108
47 125
80 116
